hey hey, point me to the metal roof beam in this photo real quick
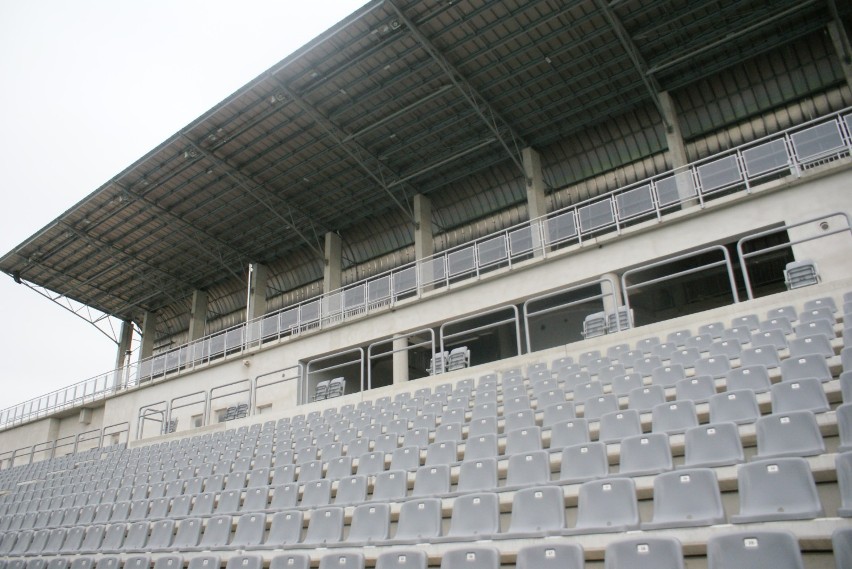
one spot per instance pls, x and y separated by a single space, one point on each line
249 185
648 80
355 151
486 113
728 37
188 225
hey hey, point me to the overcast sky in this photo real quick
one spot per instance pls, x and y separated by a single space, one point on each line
88 87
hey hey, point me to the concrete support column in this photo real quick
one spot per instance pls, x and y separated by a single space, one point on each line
149 328
197 314
423 238
257 291
122 353
677 149
400 360
843 49
536 198
612 304
332 276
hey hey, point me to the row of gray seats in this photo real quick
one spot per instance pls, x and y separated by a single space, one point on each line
773 490
776 549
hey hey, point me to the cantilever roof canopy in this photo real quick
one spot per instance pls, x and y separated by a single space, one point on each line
402 97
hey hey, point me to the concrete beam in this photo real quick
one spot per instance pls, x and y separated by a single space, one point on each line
400 360
149 329
197 315
674 137
332 276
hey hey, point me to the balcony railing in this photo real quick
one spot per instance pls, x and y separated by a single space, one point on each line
787 153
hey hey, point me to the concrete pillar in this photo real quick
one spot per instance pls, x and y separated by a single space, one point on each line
257 291
843 49
423 239
536 198
122 353
332 276
674 137
149 328
400 360
197 314
677 149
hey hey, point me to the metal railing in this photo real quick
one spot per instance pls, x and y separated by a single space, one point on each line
737 170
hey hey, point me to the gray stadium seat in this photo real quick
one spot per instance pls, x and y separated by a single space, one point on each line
477 475
699 388
169 562
570 432
475 517
161 535
644 553
624 384
325 526
843 463
582 462
717 444
188 534
807 366
713 366
351 490
557 413
686 498
673 417
105 562
205 561
284 496
777 489
245 561
401 559
445 452
528 469
316 493
788 434
482 446
646 398
419 520
471 557
734 407
370 524
841 541
645 454
523 440
389 486
618 425
535 512
432 480
285 529
250 530
668 375
801 394
606 506
594 407
137 562
755 378
811 345
550 556
342 561
758 549
217 532
136 539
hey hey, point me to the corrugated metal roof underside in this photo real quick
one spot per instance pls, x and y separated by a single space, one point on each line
407 97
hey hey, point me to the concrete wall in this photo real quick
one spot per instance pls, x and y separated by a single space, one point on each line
780 202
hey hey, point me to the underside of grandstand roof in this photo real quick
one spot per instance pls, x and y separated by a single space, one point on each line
432 98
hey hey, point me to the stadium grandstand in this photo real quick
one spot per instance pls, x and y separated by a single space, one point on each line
469 284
